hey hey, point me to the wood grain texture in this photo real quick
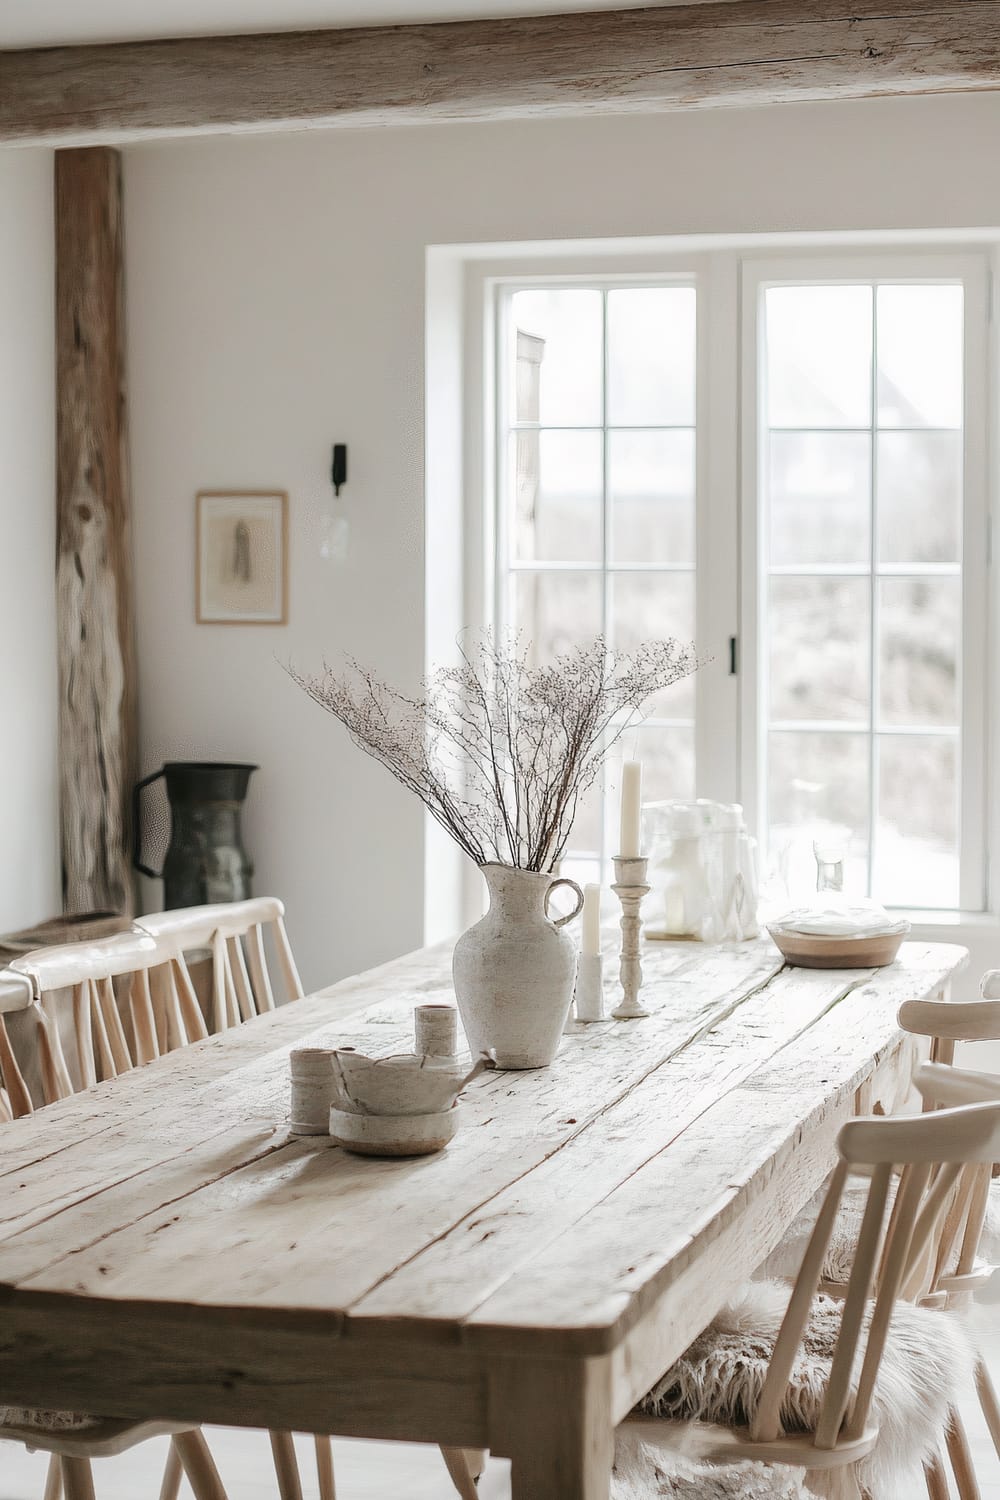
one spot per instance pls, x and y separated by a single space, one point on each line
245 1276
741 52
94 603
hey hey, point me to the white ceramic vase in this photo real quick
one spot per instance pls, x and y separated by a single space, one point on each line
515 970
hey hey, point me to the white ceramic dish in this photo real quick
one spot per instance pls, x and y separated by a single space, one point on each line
807 951
393 1135
405 1085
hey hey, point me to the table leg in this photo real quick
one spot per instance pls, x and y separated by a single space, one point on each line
552 1419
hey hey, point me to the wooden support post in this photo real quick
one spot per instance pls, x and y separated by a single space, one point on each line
97 718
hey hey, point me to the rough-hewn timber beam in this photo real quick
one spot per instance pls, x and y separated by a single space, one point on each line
97 730
668 57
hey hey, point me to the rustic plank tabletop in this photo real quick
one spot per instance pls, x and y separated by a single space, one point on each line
168 1249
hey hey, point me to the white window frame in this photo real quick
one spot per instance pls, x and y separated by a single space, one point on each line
606 568
728 276
865 267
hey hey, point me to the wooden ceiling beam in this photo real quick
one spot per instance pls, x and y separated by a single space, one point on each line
729 52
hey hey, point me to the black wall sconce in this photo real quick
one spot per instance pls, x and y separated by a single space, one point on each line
338 470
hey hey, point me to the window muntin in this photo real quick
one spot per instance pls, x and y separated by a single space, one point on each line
861 412
597 496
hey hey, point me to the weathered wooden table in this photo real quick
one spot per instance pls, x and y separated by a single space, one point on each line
166 1249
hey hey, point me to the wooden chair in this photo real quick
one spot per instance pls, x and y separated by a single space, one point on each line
954 1266
931 1150
234 934
154 1011
16 998
959 1269
28 986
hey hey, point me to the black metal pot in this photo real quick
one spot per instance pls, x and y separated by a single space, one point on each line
205 860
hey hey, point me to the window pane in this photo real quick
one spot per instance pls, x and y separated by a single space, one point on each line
586 835
919 497
651 486
819 351
559 364
556 611
920 623
919 356
818 787
651 356
557 478
819 497
916 851
652 607
667 756
818 630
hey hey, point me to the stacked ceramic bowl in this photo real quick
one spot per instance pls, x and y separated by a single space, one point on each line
396 1106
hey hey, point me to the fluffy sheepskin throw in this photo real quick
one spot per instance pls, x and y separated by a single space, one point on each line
926 1366
644 1472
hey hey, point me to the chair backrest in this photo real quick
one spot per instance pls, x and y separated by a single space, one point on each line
16 995
958 1267
234 933
946 1022
932 1150
159 1005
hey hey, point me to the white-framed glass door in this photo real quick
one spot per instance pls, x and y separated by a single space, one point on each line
864 570
597 495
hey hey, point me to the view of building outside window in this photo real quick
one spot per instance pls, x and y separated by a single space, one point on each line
860 431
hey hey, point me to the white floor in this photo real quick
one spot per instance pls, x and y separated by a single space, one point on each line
373 1471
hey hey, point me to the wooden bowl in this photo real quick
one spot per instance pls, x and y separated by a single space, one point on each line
806 950
393 1135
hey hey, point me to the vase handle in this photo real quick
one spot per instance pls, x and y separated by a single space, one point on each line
578 908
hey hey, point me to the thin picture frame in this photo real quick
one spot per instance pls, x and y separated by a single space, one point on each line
241 557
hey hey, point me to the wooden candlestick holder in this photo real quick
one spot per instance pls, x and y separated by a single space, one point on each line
630 887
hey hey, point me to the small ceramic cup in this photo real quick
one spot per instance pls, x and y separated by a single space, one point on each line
436 1030
312 1090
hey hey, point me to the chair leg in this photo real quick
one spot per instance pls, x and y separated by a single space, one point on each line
324 1468
937 1480
172 1473
53 1479
286 1466
77 1478
961 1460
457 1463
989 1401
199 1465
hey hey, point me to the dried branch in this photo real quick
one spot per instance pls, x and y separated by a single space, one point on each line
499 750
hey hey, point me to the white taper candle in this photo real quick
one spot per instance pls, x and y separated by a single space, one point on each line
628 839
591 926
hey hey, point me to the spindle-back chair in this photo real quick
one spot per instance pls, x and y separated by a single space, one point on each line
30 985
959 1269
234 934
161 1013
153 1011
931 1150
16 997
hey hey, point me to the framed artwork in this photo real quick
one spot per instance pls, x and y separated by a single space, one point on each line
241 557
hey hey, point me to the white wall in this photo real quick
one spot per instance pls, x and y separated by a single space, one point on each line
29 823
276 303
